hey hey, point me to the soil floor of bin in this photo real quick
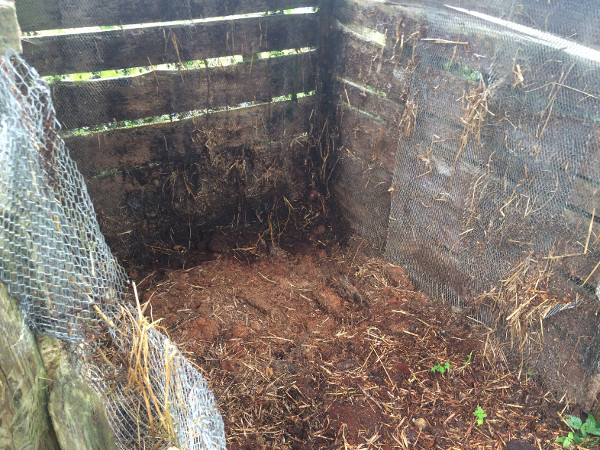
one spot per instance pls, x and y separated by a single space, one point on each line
319 346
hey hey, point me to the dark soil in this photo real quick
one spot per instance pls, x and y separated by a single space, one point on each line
321 346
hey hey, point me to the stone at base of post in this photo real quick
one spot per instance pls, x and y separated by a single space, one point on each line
10 32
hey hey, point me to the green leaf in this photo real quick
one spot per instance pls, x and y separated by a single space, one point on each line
591 426
480 414
564 440
574 422
468 361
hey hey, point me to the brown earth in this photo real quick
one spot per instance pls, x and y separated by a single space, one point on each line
321 346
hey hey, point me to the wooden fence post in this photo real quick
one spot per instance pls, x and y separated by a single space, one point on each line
10 32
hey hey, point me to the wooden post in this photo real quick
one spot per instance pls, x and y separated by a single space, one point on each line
10 32
23 386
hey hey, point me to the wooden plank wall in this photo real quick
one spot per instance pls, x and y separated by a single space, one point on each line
59 14
224 144
369 102
387 118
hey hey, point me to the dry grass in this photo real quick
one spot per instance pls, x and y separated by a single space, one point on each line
129 378
476 112
292 375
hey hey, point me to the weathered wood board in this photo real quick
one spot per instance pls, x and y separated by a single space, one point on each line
59 14
10 37
101 152
170 183
95 102
144 47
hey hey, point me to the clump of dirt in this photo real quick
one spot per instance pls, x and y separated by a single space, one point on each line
319 346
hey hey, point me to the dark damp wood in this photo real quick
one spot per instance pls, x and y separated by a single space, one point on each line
149 208
59 14
362 193
117 49
368 137
374 103
359 62
38 14
92 103
98 153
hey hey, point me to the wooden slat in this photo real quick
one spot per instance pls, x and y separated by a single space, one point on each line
167 203
246 127
37 15
367 137
376 104
153 94
117 49
361 192
217 8
359 61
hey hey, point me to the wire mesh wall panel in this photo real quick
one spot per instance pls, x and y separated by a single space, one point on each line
504 122
55 262
155 104
496 126
492 183
369 102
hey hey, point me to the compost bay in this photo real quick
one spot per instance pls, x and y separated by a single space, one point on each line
319 345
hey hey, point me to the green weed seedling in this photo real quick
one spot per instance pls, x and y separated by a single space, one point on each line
439 368
582 434
480 414
468 361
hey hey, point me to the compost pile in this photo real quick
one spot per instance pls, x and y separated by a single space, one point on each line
319 345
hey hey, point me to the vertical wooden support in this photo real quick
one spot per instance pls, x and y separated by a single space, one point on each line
10 33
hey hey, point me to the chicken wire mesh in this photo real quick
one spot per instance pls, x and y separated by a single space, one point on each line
495 184
56 264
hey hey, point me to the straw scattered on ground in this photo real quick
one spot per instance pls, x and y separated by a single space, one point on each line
328 347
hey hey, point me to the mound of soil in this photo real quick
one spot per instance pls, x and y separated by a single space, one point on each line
318 346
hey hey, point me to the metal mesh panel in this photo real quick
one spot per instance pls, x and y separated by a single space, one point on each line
506 102
55 262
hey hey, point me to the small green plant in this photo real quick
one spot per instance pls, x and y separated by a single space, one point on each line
582 432
480 414
439 368
468 361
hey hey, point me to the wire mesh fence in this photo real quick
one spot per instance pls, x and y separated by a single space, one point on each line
56 264
493 184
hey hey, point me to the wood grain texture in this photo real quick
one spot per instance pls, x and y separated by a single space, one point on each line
216 132
117 49
58 14
94 102
172 181
38 14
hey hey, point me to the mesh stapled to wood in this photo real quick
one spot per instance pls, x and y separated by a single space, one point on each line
56 264
494 193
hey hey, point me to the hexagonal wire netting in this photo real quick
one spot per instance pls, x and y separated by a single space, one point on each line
56 264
